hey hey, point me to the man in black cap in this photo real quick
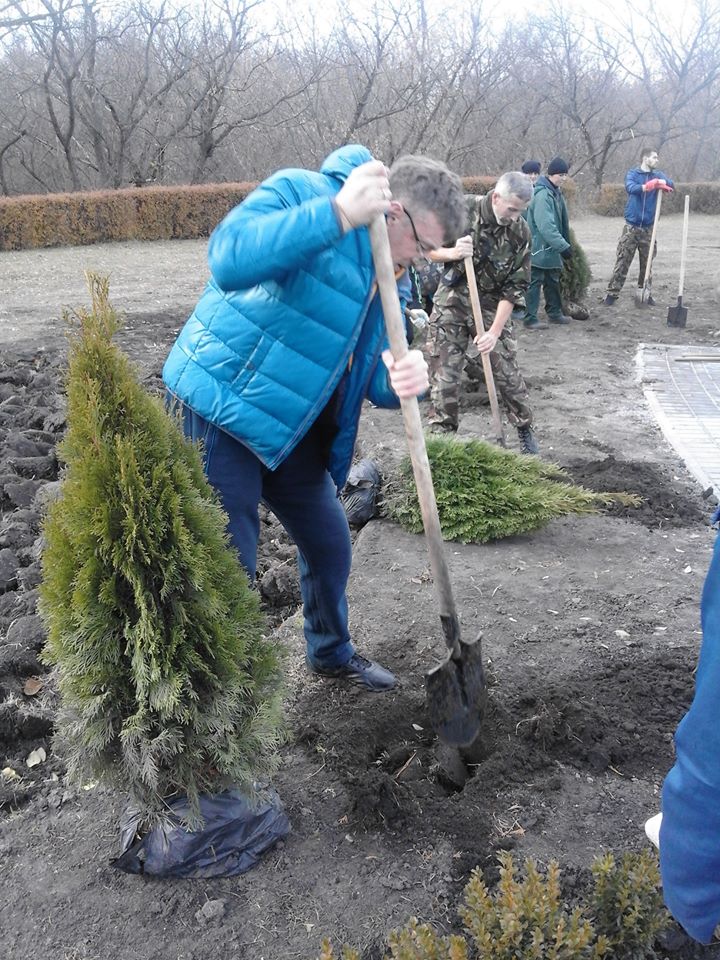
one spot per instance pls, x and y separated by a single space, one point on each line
547 218
532 169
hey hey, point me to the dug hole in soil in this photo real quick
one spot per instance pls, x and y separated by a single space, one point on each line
590 629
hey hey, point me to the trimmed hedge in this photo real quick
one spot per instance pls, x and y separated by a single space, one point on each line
141 213
704 198
151 213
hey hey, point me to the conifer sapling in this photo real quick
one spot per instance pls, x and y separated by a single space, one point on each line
168 682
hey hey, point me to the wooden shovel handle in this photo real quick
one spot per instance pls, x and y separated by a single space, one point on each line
487 365
683 248
387 287
648 265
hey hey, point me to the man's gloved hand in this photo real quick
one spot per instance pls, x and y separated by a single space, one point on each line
567 254
665 187
653 185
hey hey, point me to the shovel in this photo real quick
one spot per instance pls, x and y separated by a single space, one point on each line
644 295
677 316
487 366
455 689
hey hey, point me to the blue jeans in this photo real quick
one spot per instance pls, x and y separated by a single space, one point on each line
302 495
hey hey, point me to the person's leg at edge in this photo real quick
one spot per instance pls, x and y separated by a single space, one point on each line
627 244
553 298
236 474
446 348
532 298
302 495
512 390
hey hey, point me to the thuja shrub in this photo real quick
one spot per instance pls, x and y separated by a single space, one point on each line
485 493
527 919
576 275
168 682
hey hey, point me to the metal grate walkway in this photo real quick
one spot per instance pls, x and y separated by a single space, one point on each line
682 388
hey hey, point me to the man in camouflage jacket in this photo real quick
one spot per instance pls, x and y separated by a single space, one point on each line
498 240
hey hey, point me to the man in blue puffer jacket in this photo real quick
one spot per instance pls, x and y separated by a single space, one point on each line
284 345
642 185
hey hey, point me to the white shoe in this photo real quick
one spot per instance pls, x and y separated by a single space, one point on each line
652 829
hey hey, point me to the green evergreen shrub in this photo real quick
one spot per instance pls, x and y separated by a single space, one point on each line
526 919
168 682
627 904
485 493
576 274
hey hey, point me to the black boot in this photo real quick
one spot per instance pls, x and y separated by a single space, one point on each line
528 443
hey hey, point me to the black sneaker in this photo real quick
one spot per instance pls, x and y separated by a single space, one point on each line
528 443
610 299
359 670
536 324
561 319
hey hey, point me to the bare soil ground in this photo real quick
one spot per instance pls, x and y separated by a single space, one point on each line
590 629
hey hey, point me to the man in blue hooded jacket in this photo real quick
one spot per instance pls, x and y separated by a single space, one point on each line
642 185
286 343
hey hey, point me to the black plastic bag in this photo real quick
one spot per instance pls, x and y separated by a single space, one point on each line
234 837
359 496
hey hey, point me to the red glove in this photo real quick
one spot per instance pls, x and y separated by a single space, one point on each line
652 185
665 187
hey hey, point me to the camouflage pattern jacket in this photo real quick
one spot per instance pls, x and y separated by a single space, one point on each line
501 254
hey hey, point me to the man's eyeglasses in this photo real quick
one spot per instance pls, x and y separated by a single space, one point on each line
423 248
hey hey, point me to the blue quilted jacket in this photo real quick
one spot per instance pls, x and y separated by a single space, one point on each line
690 829
640 206
290 311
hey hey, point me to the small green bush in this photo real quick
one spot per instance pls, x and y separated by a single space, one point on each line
576 274
485 493
168 682
627 904
526 919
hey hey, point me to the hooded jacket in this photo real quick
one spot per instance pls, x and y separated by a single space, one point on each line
289 315
640 206
690 828
547 218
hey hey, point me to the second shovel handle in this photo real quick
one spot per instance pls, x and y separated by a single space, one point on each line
387 286
487 365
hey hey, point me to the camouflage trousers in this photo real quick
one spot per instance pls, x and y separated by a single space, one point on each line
631 239
450 331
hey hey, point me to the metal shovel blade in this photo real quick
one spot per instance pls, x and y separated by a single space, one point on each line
677 316
456 695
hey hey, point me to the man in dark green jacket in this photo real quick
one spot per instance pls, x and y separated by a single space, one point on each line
547 218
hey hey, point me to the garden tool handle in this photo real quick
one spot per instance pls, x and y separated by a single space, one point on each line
487 365
648 265
683 248
387 286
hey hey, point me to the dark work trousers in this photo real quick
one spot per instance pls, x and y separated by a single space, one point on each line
549 282
302 495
